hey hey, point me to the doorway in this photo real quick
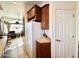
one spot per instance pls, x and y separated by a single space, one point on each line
65 33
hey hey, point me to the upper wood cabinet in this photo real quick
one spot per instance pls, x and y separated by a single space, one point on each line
40 14
34 12
45 17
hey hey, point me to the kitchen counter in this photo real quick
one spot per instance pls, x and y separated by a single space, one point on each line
3 42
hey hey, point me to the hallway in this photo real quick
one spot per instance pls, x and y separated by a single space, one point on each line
39 29
15 49
18 53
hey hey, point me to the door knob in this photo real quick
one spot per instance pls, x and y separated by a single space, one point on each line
58 40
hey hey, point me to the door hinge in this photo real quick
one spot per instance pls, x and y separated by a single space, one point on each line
73 36
73 15
72 56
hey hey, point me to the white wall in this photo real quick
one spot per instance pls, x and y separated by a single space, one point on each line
52 7
30 4
51 30
77 29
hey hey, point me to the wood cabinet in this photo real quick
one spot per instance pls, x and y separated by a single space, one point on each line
34 12
40 14
43 48
45 17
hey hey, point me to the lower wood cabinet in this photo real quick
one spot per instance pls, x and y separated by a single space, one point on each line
43 50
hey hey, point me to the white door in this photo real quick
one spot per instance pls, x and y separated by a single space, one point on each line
65 33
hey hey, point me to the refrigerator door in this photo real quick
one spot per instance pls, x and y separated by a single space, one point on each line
28 38
36 34
33 32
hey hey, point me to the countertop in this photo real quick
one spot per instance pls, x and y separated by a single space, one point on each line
44 40
3 42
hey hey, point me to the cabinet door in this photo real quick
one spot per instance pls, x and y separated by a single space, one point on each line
43 50
45 16
28 15
33 13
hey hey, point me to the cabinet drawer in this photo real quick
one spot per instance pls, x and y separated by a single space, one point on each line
43 50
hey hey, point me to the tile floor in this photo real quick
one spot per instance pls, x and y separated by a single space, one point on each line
16 50
18 53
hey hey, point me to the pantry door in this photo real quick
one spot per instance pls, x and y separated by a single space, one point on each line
65 34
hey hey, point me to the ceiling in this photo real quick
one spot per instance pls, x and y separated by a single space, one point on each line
33 2
11 9
16 9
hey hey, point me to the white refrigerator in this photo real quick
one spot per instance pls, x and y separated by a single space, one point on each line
32 33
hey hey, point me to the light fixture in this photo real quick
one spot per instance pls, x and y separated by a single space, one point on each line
1 7
14 2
